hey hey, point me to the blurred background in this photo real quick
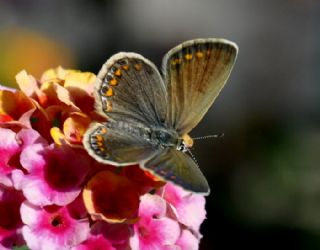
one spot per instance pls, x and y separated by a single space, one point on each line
264 173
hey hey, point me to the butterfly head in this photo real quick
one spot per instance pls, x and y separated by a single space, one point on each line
185 143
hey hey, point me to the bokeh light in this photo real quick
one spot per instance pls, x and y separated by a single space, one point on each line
33 51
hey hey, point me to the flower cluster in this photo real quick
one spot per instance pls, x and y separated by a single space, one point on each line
53 195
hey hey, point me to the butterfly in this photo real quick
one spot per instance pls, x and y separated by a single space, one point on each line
149 115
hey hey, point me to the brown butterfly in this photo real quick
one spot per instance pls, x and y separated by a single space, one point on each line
150 116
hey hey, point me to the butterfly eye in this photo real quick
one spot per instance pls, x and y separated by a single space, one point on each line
164 136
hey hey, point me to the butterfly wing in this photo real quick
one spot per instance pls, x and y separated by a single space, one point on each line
129 88
195 72
118 144
177 167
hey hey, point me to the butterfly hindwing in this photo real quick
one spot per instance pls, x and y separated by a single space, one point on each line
195 72
177 167
117 143
129 87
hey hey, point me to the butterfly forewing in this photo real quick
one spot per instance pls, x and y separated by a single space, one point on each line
130 88
195 72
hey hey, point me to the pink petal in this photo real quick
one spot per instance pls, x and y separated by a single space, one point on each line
154 230
32 158
188 241
29 137
52 227
95 242
152 206
190 207
9 147
156 233
17 179
171 247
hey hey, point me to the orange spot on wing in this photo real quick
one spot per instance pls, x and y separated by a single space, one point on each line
188 56
118 72
113 82
125 67
199 54
109 92
177 60
137 66
99 138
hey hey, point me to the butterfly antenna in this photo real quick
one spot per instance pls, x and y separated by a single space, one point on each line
193 157
208 136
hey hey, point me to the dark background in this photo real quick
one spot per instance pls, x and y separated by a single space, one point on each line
264 173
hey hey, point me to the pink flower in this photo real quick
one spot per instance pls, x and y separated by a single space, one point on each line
11 145
52 227
189 207
55 174
10 221
95 242
154 230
